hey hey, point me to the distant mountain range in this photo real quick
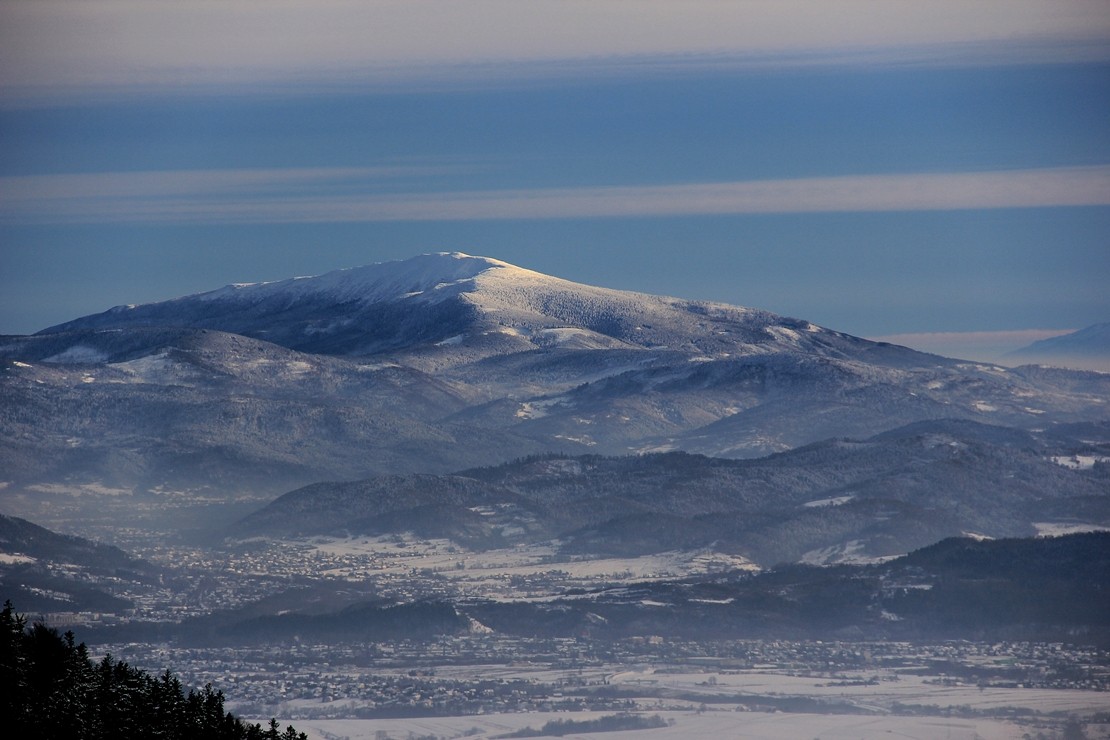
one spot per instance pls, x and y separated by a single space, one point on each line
447 362
1085 349
825 502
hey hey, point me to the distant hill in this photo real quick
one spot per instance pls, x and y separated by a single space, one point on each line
1050 589
1086 349
44 571
19 536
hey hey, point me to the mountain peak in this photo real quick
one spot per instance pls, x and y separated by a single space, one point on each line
445 309
369 283
352 311
1086 349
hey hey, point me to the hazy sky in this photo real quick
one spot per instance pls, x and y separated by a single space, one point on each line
877 166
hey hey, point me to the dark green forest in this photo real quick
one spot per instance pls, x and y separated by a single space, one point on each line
50 688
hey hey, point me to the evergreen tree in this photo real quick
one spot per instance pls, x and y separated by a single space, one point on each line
50 689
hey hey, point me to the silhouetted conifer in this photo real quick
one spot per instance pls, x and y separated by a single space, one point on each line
50 689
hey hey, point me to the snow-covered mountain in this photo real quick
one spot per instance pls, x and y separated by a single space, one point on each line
446 309
446 361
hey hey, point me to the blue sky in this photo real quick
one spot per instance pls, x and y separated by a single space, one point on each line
882 168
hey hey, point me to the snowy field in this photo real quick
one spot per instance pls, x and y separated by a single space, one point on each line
486 573
686 725
880 715
892 686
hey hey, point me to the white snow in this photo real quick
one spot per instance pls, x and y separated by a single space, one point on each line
78 354
485 573
852 551
731 720
1054 529
158 369
430 277
537 409
457 339
15 558
834 501
782 332
583 440
1080 462
79 489
983 406
17 363
559 335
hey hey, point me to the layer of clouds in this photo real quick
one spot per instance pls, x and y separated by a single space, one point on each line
31 191
179 43
986 346
327 195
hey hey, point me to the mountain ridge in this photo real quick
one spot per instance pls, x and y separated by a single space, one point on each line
943 478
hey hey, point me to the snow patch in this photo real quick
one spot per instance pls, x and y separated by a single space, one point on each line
781 332
983 406
78 354
561 334
157 369
1055 529
583 440
536 409
79 489
852 551
1079 462
477 628
451 341
834 501
17 363
15 558
299 367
